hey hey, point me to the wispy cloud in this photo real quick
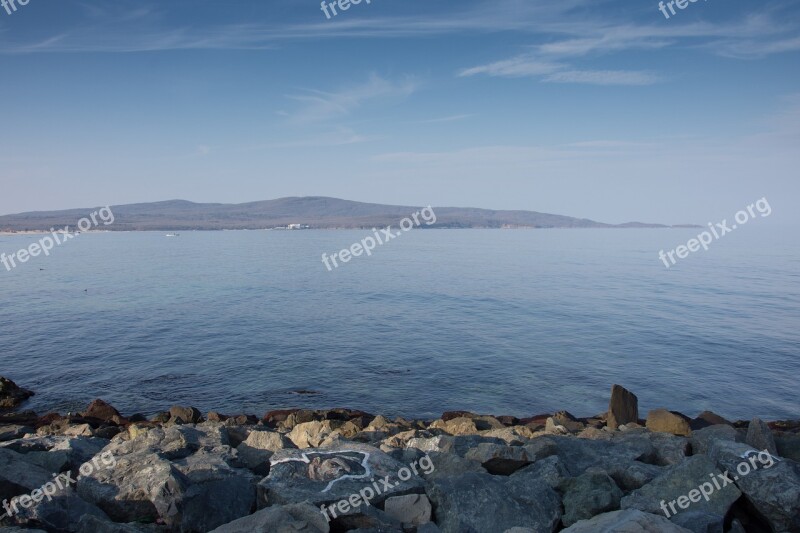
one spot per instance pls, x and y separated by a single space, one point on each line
452 118
318 106
604 77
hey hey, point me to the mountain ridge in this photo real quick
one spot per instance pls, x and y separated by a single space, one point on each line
318 212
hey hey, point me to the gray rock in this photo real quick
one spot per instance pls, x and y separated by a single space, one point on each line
324 476
412 509
788 445
589 494
760 437
700 522
679 485
62 512
771 486
702 439
481 502
551 470
498 459
450 465
142 486
217 493
635 475
623 408
279 519
93 524
668 422
14 431
256 451
19 477
626 521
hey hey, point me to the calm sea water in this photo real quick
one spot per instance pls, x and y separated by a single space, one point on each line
505 322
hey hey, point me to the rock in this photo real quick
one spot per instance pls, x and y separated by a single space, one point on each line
623 407
635 475
412 509
11 395
626 521
450 464
788 445
481 502
457 426
589 494
14 432
256 451
79 430
551 470
18 476
679 488
103 412
217 493
312 434
142 486
62 512
279 519
552 427
760 437
513 436
184 415
700 522
772 487
707 418
668 422
324 476
93 524
702 439
499 460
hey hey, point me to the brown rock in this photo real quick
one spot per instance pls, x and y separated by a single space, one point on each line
11 395
102 411
184 415
708 418
665 421
623 408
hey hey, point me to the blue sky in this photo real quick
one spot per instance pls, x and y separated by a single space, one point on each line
593 108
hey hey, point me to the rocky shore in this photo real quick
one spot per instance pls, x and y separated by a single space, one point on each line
343 470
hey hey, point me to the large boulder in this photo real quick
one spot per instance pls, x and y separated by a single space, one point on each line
142 486
623 408
19 477
498 459
770 485
329 475
626 521
482 502
702 439
299 517
668 422
589 494
686 487
414 509
217 493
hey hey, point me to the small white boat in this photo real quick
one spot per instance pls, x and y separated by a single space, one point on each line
172 235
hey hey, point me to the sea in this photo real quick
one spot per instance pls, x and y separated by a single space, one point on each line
505 322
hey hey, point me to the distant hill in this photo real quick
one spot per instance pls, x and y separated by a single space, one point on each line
316 211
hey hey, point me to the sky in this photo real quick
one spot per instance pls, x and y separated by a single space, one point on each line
604 109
